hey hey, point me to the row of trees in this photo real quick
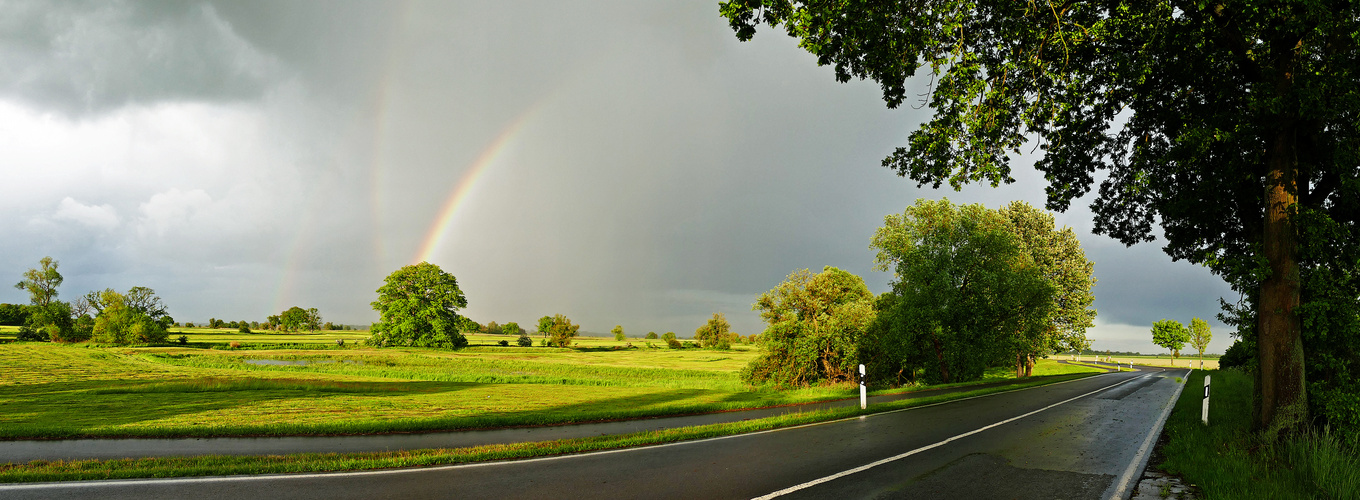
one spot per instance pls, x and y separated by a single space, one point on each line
137 316
1172 335
973 288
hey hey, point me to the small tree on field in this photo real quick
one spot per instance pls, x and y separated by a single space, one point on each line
672 343
651 335
618 333
668 336
524 340
815 323
1172 335
511 328
493 328
1200 337
716 334
561 331
419 306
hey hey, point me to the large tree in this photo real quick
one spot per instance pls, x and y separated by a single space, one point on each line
48 317
418 306
1231 124
965 295
1060 260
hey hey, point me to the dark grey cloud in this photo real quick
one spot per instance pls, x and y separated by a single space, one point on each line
88 57
664 171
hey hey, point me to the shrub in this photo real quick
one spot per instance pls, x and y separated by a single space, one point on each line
716 334
651 335
673 344
504 343
243 329
525 341
183 339
235 345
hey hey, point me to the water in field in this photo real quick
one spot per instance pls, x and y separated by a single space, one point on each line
299 362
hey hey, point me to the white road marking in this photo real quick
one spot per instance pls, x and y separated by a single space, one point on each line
895 458
408 470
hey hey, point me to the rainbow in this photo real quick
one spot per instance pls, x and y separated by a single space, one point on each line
439 230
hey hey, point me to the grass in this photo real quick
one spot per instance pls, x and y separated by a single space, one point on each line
324 462
1226 461
1185 361
71 391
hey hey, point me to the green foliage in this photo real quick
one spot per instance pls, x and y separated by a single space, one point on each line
966 295
560 331
493 328
544 324
1170 334
652 335
715 334
298 319
1229 124
815 323
418 306
673 343
466 324
511 328
121 321
1200 335
13 314
41 283
524 340
1061 262
618 333
246 329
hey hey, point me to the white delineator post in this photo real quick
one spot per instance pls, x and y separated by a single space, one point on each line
1204 412
863 390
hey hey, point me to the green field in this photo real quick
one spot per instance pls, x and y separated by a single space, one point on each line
207 388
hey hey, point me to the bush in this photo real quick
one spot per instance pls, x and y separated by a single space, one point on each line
652 335
716 334
504 343
1240 355
183 339
525 341
235 345
27 334
674 344
243 329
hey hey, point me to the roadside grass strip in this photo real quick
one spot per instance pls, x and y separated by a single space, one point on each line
1225 460
218 465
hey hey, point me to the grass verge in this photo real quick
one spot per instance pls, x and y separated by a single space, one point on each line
1226 461
215 465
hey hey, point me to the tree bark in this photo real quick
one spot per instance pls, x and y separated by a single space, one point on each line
939 355
1281 403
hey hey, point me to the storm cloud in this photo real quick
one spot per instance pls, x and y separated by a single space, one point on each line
634 163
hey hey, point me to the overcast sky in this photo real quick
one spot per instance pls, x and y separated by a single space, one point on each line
618 162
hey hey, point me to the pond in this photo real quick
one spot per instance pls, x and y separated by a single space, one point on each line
299 362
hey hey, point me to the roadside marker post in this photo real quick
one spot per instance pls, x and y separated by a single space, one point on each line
1204 412
863 390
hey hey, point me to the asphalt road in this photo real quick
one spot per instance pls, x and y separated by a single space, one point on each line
1082 439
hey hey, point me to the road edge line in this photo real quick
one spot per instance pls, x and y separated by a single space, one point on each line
895 458
1122 490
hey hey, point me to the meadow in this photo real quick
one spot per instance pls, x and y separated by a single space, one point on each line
307 384
1225 460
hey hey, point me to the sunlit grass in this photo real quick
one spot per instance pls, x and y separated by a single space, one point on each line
60 470
1227 461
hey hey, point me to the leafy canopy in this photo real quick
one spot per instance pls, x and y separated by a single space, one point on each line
815 322
965 295
418 306
1171 335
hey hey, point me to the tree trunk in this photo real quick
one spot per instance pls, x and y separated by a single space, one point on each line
939 355
1281 403
1019 365
1029 365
